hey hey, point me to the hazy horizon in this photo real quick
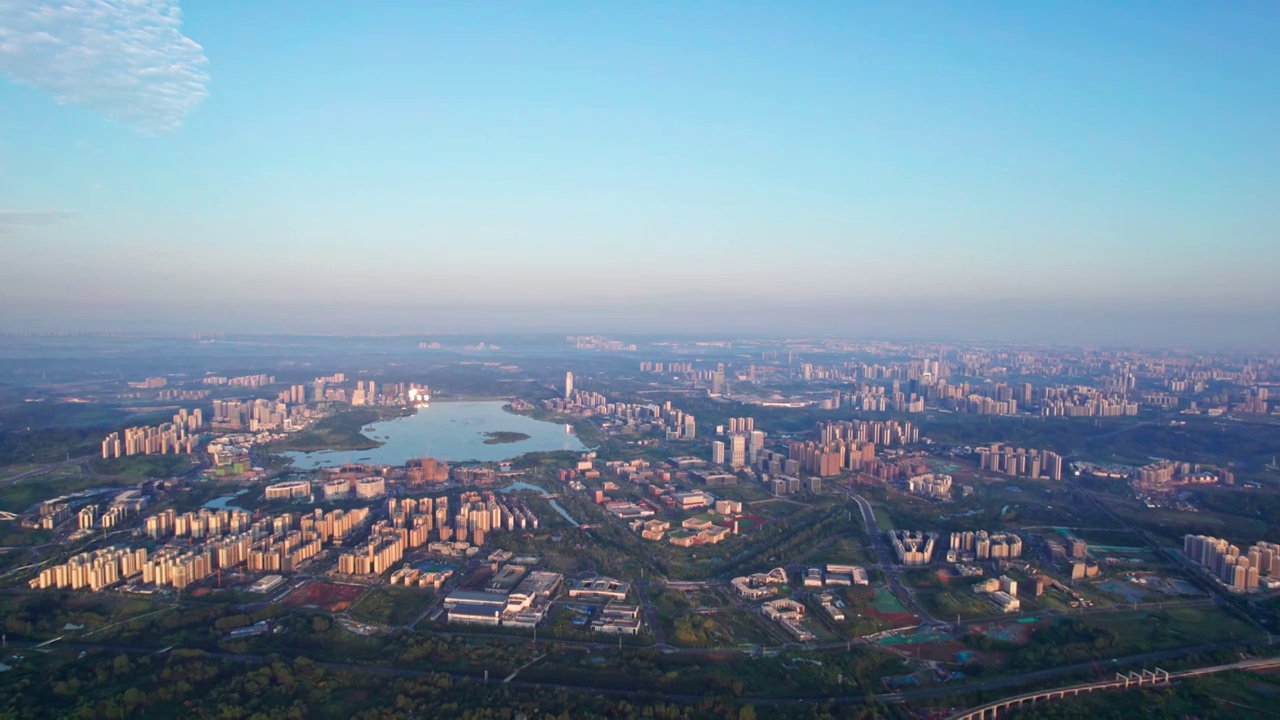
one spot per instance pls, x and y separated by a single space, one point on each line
1077 173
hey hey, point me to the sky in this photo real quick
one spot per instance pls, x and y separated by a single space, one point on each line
1050 171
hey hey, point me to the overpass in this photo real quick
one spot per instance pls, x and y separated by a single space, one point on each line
1122 681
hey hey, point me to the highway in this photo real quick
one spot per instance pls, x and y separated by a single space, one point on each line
15 479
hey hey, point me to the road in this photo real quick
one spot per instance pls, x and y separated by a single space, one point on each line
888 563
1016 701
15 479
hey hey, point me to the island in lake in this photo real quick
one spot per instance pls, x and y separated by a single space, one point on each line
500 437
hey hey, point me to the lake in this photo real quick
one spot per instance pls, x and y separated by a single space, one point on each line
453 431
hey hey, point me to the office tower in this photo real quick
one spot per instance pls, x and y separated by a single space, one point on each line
717 452
568 384
737 450
717 380
756 444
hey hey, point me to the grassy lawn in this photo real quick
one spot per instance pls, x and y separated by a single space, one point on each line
391 605
848 550
742 492
1176 627
883 519
143 466
965 603
17 498
725 628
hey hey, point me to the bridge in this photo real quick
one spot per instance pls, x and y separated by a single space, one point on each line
1122 681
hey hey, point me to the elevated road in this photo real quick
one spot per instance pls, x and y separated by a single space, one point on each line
1122 681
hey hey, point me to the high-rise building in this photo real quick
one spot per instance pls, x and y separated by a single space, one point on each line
568 384
756 444
737 450
717 452
690 428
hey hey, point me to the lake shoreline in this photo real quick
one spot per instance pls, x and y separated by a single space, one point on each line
457 431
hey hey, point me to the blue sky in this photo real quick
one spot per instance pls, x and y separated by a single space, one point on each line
1032 170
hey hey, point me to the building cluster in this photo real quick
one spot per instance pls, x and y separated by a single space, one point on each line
92 570
1239 571
173 394
342 487
1254 402
626 418
1020 462
618 618
516 597
788 613
913 547
431 578
845 575
831 605
1168 472
175 437
599 588
934 486
692 531
1069 548
426 471
698 531
742 448
413 523
790 485
831 458
50 515
596 342
1002 592
849 446
288 490
125 504
1080 401
1073 553
1119 383
971 545
759 586
674 368
249 381
262 414
206 542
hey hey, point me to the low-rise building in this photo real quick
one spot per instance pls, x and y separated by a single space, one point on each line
618 619
601 588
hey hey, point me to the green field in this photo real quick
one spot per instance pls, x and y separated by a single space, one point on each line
949 604
843 551
391 605
17 498
144 466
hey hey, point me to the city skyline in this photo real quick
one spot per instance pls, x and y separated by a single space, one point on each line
1049 173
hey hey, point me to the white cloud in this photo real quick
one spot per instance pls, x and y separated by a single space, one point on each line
126 59
15 218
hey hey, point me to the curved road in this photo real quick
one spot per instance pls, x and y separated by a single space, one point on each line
888 563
